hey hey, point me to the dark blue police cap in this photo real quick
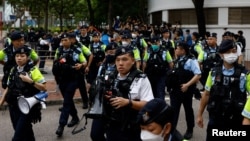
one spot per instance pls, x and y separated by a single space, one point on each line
127 35
183 45
16 35
156 110
227 33
226 45
71 35
111 46
155 39
96 34
23 50
164 31
123 50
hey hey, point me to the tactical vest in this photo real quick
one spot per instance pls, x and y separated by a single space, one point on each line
63 66
226 100
169 46
9 64
98 53
211 59
179 75
192 49
137 42
125 116
17 87
85 40
156 64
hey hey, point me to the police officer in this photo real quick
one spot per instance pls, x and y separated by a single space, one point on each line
84 37
7 57
183 78
67 64
105 70
225 91
197 48
211 57
167 43
126 42
81 77
131 92
98 50
26 80
159 61
156 119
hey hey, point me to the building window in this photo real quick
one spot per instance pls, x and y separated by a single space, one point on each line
188 16
157 18
239 15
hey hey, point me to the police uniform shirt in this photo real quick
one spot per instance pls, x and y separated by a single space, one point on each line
76 57
246 110
199 49
165 56
43 42
244 82
140 89
4 57
191 65
238 50
86 51
34 74
96 45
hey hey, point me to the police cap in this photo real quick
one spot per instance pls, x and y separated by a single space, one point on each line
126 35
212 35
164 31
156 110
23 50
84 27
95 34
196 35
155 39
123 50
226 45
71 35
16 35
111 46
184 46
227 33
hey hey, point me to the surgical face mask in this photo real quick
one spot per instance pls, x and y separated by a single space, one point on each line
133 35
110 58
125 43
230 58
155 47
148 136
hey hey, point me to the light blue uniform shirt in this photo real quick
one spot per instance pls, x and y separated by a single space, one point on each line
192 65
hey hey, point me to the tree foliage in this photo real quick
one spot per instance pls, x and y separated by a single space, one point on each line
96 11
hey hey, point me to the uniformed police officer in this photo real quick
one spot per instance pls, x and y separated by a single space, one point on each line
26 80
211 57
197 48
159 61
7 57
81 77
98 50
131 92
167 43
84 37
68 61
126 42
183 78
225 91
246 111
105 70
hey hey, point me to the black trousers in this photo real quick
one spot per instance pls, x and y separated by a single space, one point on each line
21 124
82 88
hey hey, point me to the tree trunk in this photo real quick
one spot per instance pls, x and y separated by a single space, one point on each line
200 17
91 12
61 22
110 9
46 11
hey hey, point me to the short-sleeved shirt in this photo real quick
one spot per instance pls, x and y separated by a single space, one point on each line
246 110
244 82
86 51
198 48
191 65
4 57
140 89
34 74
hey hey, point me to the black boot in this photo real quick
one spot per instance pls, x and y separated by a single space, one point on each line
59 130
73 122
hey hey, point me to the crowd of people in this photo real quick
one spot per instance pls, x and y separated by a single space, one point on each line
127 68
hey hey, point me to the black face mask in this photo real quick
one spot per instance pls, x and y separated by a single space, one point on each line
110 58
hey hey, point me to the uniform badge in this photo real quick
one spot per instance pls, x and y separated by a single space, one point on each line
145 117
123 50
22 50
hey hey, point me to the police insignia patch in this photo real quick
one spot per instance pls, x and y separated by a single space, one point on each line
123 50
